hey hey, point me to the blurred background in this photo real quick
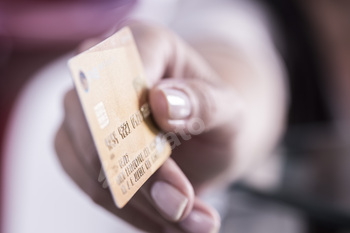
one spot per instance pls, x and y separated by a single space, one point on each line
303 187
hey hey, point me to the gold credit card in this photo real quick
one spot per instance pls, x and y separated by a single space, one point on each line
111 85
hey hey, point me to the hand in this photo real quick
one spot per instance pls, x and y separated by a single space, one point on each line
188 97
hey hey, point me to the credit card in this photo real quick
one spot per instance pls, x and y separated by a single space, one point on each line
113 92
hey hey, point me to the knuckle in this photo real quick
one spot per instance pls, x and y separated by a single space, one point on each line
70 100
150 36
92 156
97 195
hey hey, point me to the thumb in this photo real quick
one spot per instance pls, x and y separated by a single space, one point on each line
195 105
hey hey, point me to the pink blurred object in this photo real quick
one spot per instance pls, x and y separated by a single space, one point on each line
38 24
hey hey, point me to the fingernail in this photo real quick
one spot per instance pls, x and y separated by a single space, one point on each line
198 222
179 106
169 200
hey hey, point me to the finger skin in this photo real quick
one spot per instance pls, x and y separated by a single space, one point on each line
199 206
215 105
170 173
